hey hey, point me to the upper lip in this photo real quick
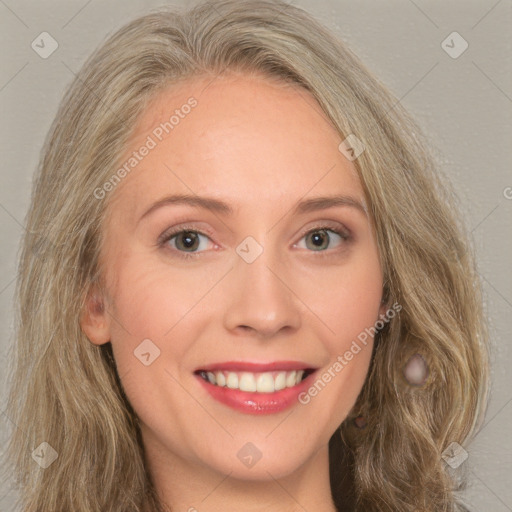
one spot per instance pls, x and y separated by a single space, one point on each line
246 366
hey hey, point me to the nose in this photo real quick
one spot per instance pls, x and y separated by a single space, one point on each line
261 298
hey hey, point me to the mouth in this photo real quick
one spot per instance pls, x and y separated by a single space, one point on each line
255 382
256 388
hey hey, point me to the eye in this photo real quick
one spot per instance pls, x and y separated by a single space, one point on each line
185 242
188 243
319 238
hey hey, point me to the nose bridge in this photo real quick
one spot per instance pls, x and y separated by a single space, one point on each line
261 296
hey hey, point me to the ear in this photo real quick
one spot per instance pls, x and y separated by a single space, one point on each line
94 320
384 306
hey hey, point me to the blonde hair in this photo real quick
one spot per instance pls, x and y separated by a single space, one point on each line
65 391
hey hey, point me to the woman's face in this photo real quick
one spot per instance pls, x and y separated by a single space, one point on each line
265 280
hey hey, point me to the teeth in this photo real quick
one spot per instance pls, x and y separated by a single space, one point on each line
266 382
280 381
221 379
232 380
291 379
247 382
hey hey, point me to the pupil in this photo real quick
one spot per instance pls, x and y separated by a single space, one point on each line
318 236
189 239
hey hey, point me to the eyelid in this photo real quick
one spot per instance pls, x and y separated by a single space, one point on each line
336 226
327 224
169 233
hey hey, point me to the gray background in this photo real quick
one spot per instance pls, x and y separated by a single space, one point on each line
464 105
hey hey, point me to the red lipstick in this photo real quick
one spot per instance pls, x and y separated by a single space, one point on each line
267 387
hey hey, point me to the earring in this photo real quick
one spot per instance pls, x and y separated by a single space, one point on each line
416 370
360 422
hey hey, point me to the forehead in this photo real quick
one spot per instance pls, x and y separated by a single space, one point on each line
244 137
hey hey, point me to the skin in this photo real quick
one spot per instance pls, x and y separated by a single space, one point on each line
261 146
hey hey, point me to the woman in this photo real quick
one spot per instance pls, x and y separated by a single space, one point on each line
242 284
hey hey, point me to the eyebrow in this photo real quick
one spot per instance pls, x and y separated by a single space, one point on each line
218 206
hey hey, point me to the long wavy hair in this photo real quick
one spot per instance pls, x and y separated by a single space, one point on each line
66 392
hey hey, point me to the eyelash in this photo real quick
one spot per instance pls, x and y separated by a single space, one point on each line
169 235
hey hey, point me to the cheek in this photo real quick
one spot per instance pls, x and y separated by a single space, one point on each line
349 306
346 299
149 299
144 306
160 303
151 334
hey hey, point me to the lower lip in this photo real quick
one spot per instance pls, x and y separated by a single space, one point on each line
256 403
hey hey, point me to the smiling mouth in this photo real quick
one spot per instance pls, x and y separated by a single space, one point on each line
259 382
